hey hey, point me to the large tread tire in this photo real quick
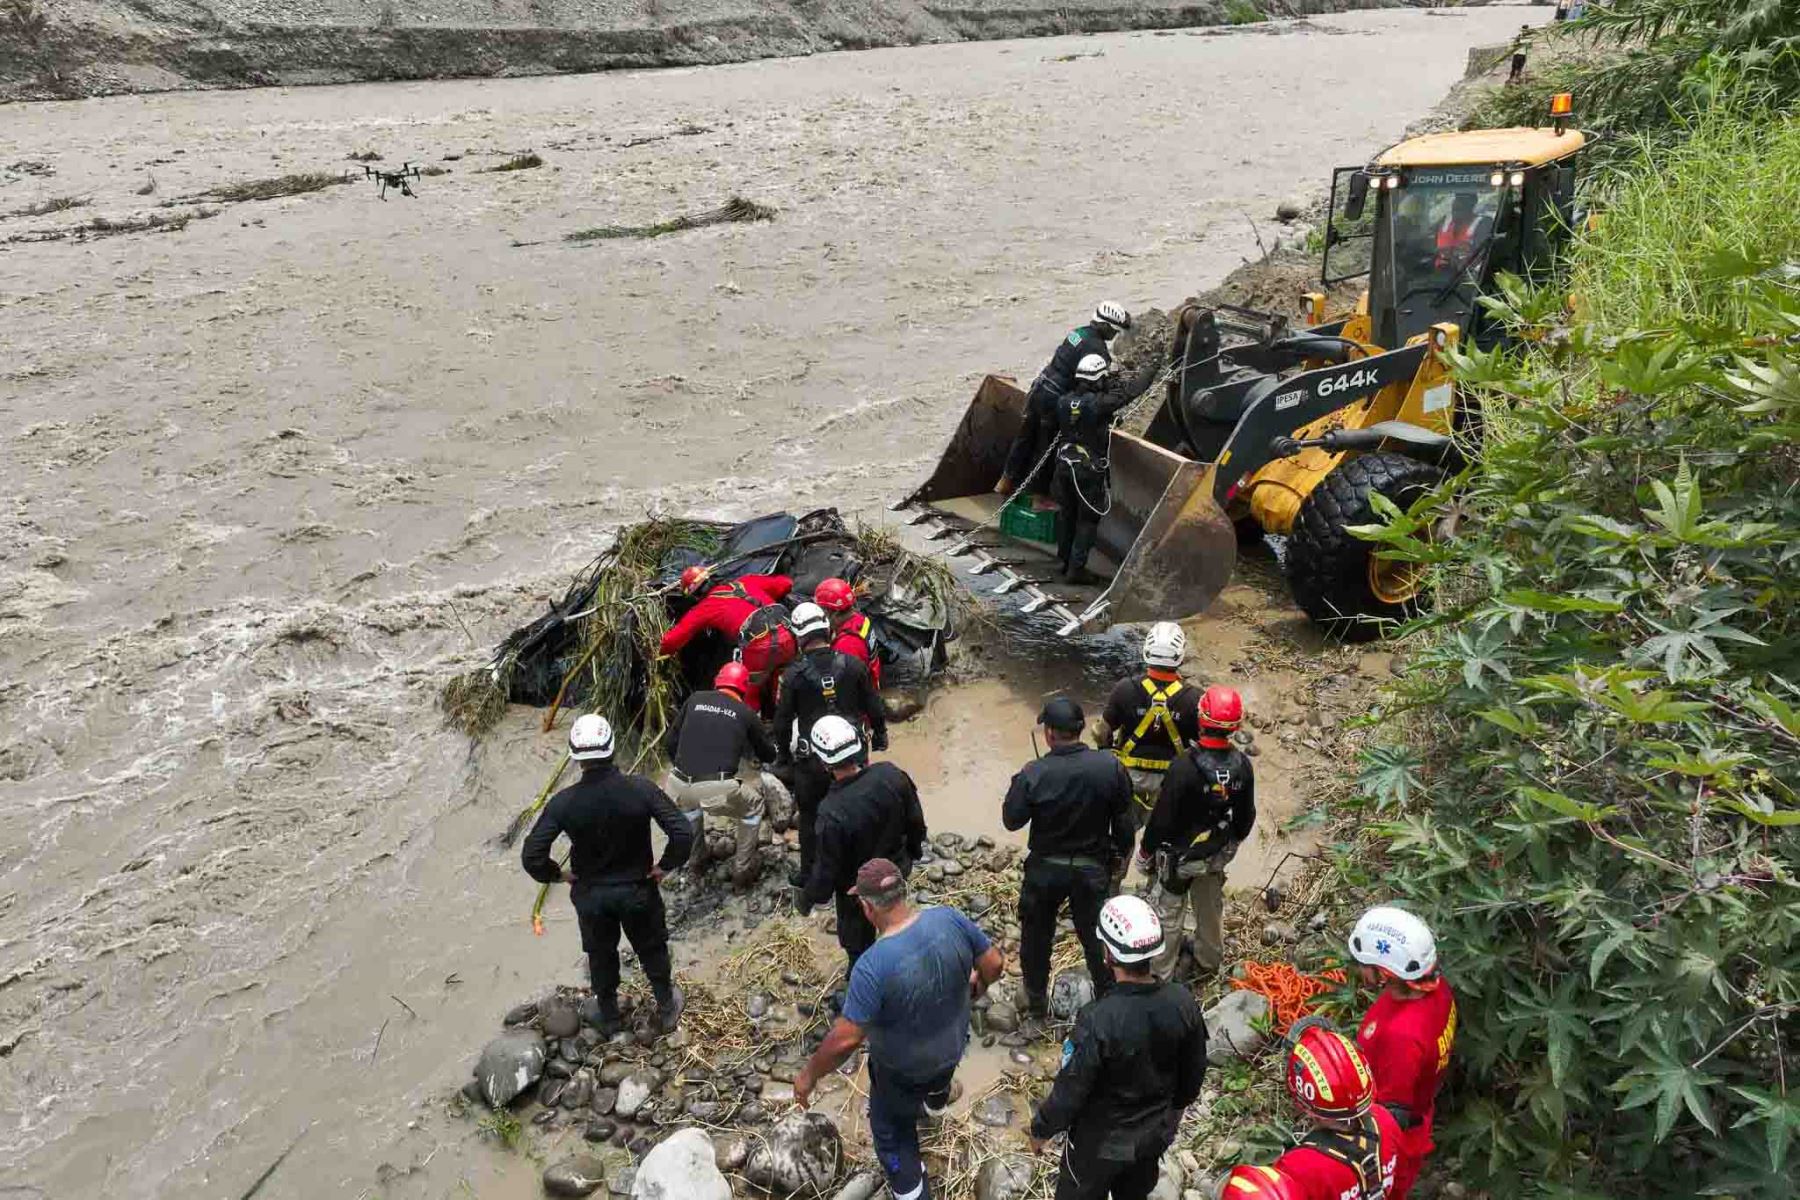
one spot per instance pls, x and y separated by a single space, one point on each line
1328 567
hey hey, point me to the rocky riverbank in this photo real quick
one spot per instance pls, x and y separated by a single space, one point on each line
100 47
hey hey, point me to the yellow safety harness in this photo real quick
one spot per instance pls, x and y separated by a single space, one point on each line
1157 713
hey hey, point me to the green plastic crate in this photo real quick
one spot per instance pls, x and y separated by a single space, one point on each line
1019 519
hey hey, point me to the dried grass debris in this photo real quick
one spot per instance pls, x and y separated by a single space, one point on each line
737 210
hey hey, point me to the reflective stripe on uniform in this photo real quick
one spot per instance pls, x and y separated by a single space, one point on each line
1157 712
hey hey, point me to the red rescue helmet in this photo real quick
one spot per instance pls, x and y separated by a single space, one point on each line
834 595
1327 1075
733 677
694 577
1261 1183
1221 709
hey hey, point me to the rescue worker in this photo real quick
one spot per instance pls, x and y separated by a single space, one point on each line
1058 376
1207 807
707 743
871 811
723 608
1077 801
853 633
1083 486
1351 1151
611 876
1407 1033
1151 719
1130 1068
821 682
1456 236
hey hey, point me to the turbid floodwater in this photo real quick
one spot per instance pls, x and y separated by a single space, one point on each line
270 477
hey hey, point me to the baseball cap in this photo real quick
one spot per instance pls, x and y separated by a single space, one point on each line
1062 714
879 881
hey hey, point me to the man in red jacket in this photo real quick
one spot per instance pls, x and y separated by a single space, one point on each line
1353 1147
724 608
852 632
1407 1033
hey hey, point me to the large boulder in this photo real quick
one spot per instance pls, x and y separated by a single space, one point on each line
1070 992
1169 1178
681 1168
1231 1031
509 1064
1005 1177
581 1175
803 1153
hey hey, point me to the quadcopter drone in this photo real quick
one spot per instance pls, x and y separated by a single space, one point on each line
392 179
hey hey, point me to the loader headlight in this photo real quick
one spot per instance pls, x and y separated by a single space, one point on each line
1391 182
1517 179
1497 178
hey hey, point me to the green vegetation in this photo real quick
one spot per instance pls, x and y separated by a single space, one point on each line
1243 12
1595 791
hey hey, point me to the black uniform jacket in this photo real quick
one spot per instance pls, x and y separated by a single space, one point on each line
1077 801
607 815
1133 1063
824 681
1208 798
873 814
711 735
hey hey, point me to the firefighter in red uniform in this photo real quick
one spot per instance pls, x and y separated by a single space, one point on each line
1353 1146
1407 1033
853 634
724 609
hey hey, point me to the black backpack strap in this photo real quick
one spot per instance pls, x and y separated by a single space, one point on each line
1358 1148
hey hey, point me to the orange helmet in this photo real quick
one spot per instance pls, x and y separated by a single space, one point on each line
1260 1183
694 577
1328 1076
733 677
834 595
1221 711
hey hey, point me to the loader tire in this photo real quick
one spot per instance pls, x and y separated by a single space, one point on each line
1329 568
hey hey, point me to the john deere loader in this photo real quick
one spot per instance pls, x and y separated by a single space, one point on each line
1274 425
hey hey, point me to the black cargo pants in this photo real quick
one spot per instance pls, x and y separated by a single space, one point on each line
1050 881
635 909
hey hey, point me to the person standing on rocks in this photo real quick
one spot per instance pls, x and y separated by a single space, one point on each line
853 633
707 744
1150 719
872 811
1058 376
1077 801
822 682
909 999
1130 1068
611 875
1206 809
1407 1033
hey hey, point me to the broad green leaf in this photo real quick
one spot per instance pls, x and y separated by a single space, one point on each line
1568 807
1545 602
1779 1113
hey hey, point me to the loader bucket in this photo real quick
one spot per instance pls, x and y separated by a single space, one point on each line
1164 543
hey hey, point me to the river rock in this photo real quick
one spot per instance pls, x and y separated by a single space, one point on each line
1168 1180
604 1100
614 1073
803 1152
579 1093
509 1064
996 1112
1289 210
862 1186
634 1091
757 1007
953 868
777 1093
599 1131
1230 1032
1070 992
1277 932
1007 1177
581 1175
552 1092
1002 1018
521 1014
562 1017
681 1168
620 1181
732 1153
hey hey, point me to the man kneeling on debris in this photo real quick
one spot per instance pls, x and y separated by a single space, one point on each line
1058 376
1130 1068
612 877
909 998
707 744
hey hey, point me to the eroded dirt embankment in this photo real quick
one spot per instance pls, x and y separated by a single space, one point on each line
99 47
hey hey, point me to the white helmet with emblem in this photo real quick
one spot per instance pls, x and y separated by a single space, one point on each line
1393 940
590 738
1112 313
1091 367
809 619
1164 645
835 740
1132 931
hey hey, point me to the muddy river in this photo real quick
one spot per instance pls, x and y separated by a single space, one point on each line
270 477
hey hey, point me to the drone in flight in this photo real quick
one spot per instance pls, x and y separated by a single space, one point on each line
386 179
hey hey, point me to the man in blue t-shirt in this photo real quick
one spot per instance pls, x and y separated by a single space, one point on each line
909 999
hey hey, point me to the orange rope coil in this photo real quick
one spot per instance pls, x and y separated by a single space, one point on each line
1288 990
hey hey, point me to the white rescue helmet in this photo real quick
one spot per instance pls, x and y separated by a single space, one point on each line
1131 929
1394 941
1091 367
1112 313
809 619
835 740
1164 645
590 738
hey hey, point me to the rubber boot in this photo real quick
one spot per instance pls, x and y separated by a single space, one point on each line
1037 1004
670 1008
746 862
603 1019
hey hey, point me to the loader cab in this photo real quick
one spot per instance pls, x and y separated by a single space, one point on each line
1431 222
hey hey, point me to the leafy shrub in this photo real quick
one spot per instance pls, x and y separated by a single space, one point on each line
1596 797
1242 12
